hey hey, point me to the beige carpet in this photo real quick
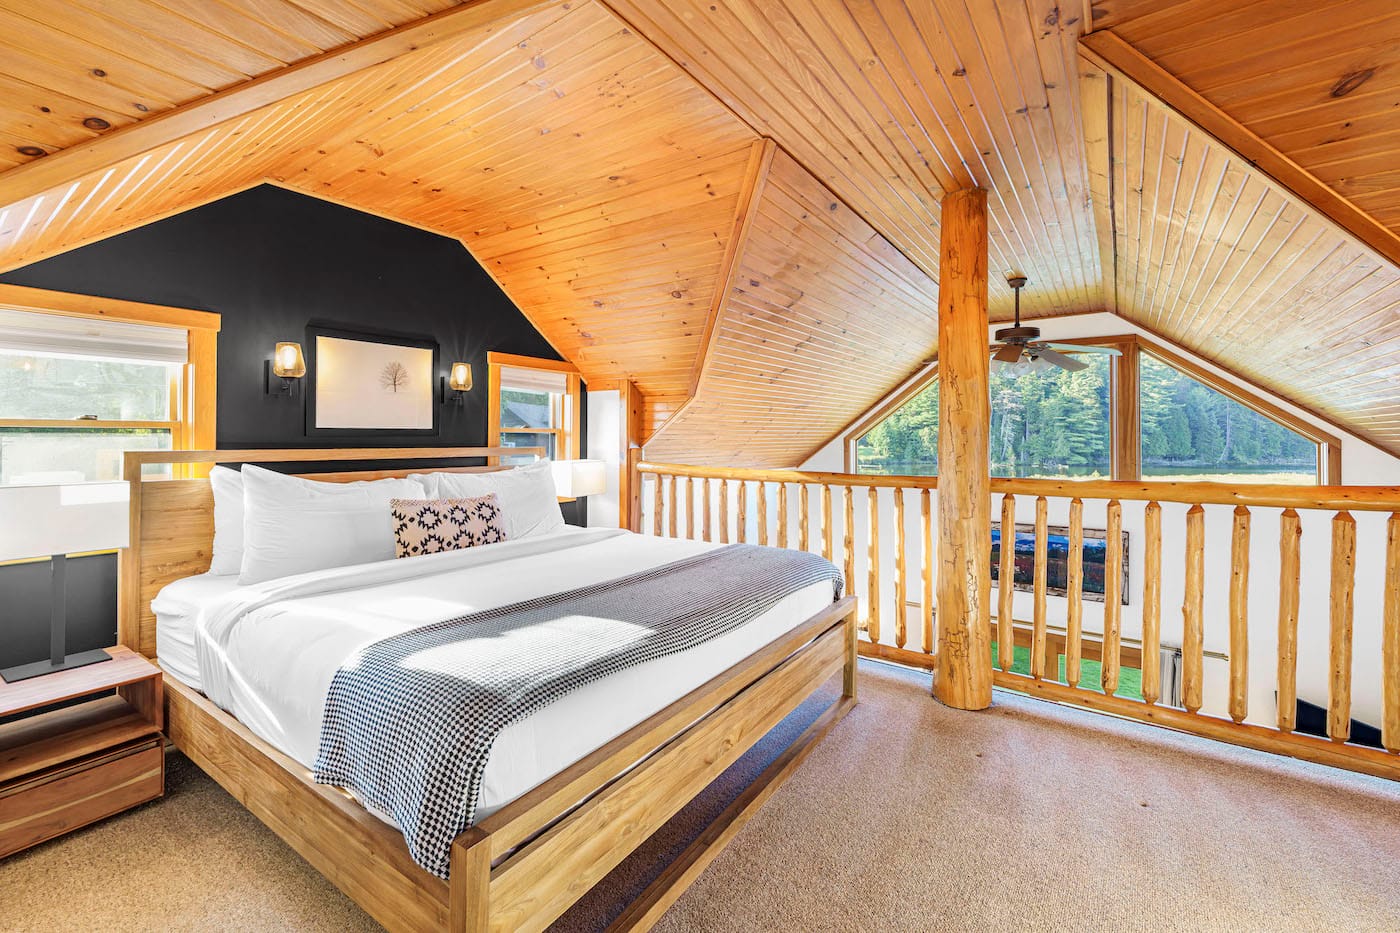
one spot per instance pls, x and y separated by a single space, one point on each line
908 817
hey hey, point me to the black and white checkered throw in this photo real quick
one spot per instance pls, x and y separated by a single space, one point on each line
410 720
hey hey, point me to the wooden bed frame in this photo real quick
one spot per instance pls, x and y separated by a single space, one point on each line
523 866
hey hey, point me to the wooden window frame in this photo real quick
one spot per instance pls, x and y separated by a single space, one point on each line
1125 422
193 412
568 416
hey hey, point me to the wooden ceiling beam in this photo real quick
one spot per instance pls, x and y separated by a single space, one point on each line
1110 52
75 162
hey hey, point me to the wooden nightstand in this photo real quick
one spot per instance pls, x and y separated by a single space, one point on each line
72 766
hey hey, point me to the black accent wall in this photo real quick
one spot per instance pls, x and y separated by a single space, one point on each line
271 262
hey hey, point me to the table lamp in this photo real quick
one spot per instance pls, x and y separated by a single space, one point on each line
58 520
574 479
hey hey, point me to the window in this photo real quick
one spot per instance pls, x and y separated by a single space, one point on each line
1190 425
82 380
1050 422
534 403
1044 423
1193 432
905 442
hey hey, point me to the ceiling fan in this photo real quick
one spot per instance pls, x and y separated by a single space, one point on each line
1023 345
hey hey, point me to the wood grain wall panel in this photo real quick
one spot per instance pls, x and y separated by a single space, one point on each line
821 315
891 103
1217 257
1318 81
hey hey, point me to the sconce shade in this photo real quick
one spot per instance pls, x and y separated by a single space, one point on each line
461 378
287 361
574 479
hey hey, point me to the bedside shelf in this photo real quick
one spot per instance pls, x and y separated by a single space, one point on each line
71 766
62 735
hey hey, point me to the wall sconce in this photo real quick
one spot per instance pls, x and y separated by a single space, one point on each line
459 383
286 364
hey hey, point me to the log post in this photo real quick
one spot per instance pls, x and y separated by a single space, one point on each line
963 672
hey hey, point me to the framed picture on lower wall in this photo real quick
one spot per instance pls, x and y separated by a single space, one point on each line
1057 560
369 384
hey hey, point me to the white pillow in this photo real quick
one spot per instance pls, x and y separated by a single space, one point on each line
529 502
227 556
293 525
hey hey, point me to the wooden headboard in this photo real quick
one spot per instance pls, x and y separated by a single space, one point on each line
172 520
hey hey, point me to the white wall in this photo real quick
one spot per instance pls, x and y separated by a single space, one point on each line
604 439
1362 464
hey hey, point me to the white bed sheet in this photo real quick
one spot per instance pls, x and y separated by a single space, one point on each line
178 607
267 653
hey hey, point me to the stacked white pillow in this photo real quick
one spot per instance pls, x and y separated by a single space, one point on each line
529 500
228 520
268 525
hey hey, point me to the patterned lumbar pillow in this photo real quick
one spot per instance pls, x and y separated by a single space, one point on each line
429 526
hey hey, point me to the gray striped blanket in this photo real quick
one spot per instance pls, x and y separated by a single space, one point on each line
410 720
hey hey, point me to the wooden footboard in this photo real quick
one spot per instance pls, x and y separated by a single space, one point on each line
523 866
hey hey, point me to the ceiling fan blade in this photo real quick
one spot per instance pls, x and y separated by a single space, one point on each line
1059 359
1008 353
1083 348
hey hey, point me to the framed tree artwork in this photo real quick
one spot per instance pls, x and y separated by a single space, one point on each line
370 384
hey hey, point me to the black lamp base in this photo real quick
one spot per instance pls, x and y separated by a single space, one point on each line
47 666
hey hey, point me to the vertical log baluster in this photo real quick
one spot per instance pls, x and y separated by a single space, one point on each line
826 523
782 515
690 507
1074 593
1112 598
1390 638
705 510
1342 603
848 538
724 511
1006 577
1152 603
872 582
803 499
901 595
675 507
762 491
1042 543
1193 609
741 513
926 608
1290 533
658 505
1239 615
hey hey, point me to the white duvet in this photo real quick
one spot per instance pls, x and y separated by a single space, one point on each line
267 652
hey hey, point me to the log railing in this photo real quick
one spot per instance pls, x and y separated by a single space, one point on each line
1256 619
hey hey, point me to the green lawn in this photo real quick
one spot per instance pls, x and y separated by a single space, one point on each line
1090 674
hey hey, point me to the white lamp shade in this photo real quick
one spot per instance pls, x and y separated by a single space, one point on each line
42 520
574 479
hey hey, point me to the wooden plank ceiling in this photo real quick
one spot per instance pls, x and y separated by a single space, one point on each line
1216 257
607 164
69 71
820 311
891 103
1319 81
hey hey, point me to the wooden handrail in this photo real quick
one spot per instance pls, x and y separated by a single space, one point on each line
1261 495
790 476
1228 716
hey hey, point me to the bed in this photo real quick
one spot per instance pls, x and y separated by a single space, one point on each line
567 792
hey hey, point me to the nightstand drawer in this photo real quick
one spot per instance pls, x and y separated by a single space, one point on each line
62 799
